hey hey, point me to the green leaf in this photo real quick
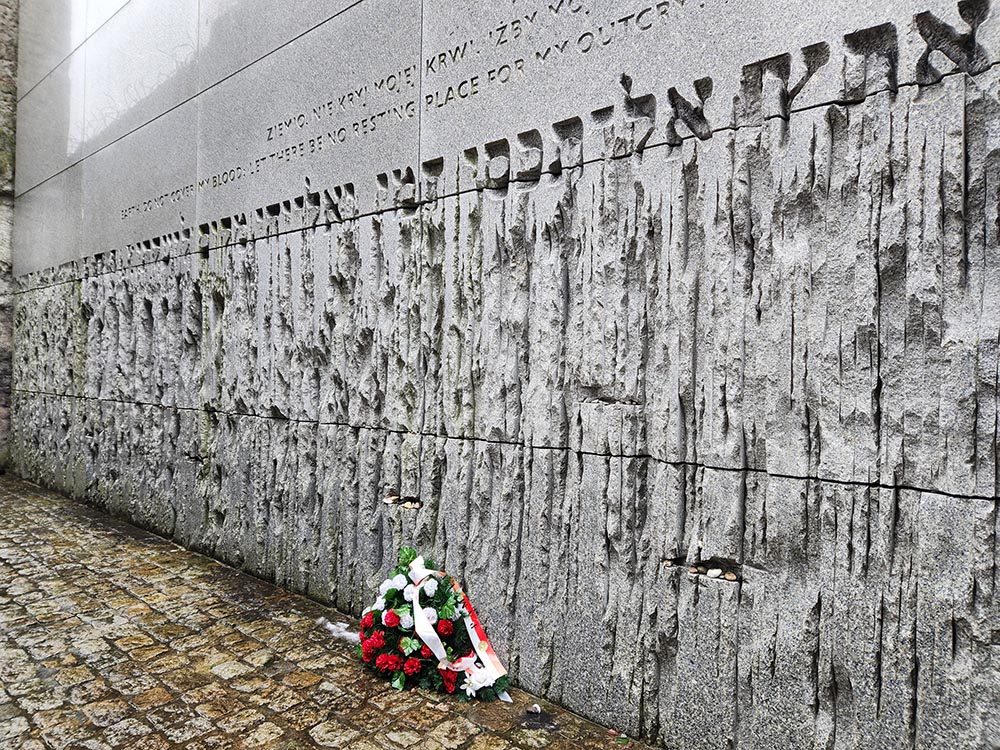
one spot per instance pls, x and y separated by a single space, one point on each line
406 556
409 645
399 680
447 610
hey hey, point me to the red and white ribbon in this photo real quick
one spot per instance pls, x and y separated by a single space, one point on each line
477 676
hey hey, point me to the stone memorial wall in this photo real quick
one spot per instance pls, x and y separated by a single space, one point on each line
608 289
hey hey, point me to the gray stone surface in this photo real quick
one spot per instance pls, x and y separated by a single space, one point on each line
235 33
50 124
99 12
124 201
768 346
141 62
277 131
49 31
49 222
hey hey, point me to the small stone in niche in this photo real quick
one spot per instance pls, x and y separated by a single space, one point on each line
730 576
714 572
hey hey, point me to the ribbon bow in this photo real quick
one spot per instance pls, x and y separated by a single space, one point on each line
477 676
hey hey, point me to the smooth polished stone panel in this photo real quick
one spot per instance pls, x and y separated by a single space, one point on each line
130 198
140 63
508 91
100 12
320 115
47 224
235 33
49 30
50 124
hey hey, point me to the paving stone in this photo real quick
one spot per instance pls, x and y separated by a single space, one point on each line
229 669
154 697
75 676
488 742
13 727
151 742
188 730
304 715
403 738
126 731
333 734
240 721
106 713
453 733
221 662
264 735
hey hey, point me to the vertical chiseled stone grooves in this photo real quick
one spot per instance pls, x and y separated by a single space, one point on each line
775 348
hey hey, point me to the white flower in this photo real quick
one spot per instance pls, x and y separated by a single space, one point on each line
476 678
431 615
406 622
384 587
480 678
469 688
460 612
379 603
409 592
399 582
430 586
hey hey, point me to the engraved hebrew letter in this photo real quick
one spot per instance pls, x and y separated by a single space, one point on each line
693 116
962 49
874 68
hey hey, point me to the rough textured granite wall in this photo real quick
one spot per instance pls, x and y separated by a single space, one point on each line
772 347
8 108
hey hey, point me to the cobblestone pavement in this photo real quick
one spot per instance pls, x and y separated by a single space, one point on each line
115 638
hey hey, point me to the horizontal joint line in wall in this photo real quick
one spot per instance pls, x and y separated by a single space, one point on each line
531 447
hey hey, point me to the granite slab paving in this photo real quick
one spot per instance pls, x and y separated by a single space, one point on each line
112 637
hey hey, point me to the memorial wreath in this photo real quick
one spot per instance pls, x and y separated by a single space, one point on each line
422 631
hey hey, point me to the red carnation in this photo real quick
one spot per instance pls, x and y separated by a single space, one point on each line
445 628
369 648
412 666
391 619
376 640
367 621
388 662
426 652
450 678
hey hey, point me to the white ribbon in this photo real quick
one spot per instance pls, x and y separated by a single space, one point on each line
478 676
